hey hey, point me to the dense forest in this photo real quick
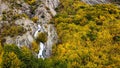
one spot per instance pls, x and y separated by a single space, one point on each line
89 37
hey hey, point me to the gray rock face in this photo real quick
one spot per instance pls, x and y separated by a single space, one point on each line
52 39
51 4
91 2
45 11
3 7
29 25
42 13
3 23
25 39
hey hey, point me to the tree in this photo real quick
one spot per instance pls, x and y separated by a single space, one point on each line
10 60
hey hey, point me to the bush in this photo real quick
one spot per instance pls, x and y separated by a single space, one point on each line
31 2
35 47
34 19
12 31
42 37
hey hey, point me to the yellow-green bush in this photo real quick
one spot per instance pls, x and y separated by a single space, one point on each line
30 1
35 19
12 31
42 37
35 47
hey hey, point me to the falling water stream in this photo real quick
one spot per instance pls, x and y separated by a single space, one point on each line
38 30
42 46
40 54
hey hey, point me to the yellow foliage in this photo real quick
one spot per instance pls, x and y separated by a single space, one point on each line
30 1
24 15
87 34
35 47
34 19
26 51
13 60
1 54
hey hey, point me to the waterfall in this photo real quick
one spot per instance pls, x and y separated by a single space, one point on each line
38 30
41 45
40 54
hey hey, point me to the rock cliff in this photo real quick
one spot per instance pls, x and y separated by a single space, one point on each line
28 15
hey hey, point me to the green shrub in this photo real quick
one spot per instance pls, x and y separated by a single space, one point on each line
12 31
35 47
42 37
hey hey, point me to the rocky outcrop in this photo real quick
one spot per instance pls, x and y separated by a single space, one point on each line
51 4
3 7
91 2
44 12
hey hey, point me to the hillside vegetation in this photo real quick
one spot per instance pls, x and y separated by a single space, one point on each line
89 35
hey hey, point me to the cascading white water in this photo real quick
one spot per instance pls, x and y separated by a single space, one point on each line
38 30
40 54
